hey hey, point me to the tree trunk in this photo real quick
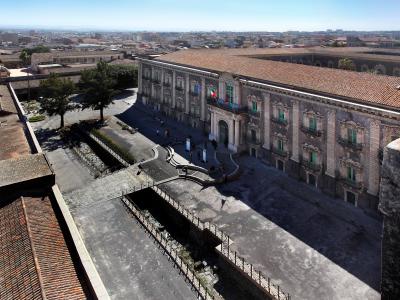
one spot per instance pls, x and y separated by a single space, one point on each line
62 121
101 115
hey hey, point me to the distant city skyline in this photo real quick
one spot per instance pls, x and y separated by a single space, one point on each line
206 15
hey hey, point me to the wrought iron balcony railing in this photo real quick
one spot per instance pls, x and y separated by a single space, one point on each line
279 152
349 144
279 121
313 166
232 107
311 131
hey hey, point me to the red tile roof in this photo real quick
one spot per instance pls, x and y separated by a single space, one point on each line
35 262
367 88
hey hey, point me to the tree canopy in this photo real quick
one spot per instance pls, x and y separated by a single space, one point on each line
26 53
346 64
98 87
125 76
56 92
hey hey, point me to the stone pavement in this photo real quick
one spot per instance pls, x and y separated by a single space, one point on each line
313 246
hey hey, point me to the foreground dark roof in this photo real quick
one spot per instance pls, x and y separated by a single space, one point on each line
367 88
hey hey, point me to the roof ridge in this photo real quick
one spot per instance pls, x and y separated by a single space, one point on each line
35 259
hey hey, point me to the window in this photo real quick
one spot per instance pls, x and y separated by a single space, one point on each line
229 93
211 92
253 135
179 83
352 135
351 174
280 145
195 88
313 157
254 106
313 124
281 115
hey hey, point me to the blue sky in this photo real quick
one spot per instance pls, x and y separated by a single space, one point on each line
191 15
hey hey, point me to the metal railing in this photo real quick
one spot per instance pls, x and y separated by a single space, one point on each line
232 107
311 131
263 282
350 144
112 152
203 291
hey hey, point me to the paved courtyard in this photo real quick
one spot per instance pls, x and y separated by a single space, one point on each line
314 246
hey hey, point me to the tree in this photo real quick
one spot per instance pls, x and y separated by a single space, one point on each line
125 76
26 53
346 64
98 87
56 94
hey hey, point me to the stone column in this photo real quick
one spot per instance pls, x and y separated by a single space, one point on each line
173 88
331 144
237 95
231 134
221 88
389 205
211 136
267 120
237 133
295 131
140 78
187 89
373 161
162 86
152 84
203 100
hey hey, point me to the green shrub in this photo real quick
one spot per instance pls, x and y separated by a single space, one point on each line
115 147
37 118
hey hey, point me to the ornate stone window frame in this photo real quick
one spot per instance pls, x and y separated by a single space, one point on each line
344 138
305 124
278 105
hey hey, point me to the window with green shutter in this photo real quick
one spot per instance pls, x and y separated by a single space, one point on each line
352 135
254 106
280 145
351 174
281 115
313 157
313 124
229 93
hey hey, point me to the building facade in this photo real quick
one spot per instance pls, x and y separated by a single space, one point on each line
328 142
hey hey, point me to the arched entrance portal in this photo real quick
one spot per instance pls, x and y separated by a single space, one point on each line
223 132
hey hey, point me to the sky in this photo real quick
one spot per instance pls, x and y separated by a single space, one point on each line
202 15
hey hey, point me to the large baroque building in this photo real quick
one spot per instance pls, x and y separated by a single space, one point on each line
322 125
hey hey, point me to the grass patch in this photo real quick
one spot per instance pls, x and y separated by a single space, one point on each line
112 145
37 118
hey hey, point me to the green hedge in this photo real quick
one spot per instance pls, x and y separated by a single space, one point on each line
112 145
37 118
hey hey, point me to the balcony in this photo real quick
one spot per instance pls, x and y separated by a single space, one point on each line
194 94
279 152
156 81
167 84
231 107
311 131
312 166
254 114
146 77
349 144
179 88
351 183
283 122
253 141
